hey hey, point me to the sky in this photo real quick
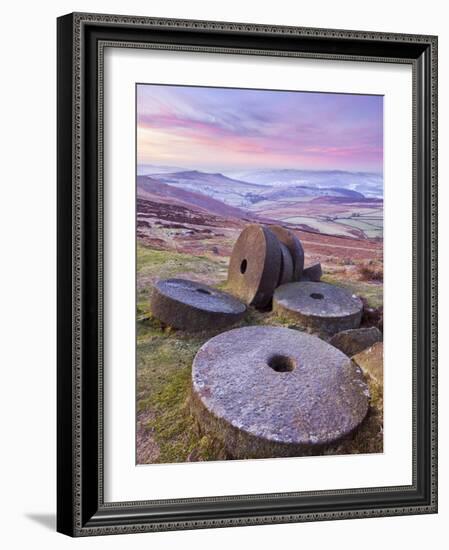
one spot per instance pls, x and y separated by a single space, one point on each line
225 129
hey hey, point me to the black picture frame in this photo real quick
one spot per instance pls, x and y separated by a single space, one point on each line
81 509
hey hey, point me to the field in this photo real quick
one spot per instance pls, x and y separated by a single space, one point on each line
362 219
175 239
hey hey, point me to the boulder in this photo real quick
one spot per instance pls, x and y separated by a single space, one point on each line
371 361
356 340
371 316
312 273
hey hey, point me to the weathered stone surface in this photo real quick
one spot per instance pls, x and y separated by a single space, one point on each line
356 340
193 306
255 265
312 273
371 361
286 274
272 391
319 306
372 316
294 246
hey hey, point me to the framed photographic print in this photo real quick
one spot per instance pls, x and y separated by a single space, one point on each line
247 287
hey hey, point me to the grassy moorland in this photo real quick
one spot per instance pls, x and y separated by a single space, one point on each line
167 432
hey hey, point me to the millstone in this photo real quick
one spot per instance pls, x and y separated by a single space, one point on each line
319 306
286 274
294 246
255 265
193 306
272 391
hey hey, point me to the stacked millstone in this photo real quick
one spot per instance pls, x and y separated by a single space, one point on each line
267 267
264 258
271 391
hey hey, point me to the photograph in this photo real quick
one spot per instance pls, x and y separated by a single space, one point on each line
259 273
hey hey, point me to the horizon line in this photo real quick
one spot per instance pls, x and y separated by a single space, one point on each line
241 169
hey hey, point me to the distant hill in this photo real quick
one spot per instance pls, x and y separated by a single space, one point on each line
368 183
154 189
267 186
230 191
216 198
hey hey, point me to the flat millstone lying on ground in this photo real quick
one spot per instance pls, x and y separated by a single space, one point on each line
273 391
318 306
255 265
193 306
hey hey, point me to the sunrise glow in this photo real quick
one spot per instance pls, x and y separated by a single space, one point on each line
219 129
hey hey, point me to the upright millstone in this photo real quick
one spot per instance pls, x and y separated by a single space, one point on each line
192 306
319 306
255 265
294 246
286 274
271 391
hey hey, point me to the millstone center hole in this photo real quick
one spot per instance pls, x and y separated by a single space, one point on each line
243 266
316 296
202 291
281 363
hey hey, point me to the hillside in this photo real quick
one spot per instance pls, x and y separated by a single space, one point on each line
230 191
312 205
154 189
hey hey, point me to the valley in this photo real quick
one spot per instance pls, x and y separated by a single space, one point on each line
311 206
